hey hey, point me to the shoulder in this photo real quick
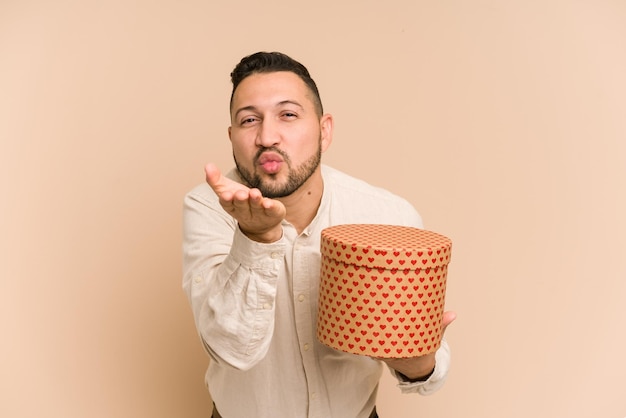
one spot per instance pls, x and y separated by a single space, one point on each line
341 183
366 202
203 194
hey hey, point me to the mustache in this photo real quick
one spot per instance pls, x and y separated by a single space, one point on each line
272 149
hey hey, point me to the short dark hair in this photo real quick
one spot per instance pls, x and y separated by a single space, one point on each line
270 62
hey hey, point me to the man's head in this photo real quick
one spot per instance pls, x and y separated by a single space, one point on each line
269 62
277 131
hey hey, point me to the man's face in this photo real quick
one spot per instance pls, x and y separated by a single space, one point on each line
276 135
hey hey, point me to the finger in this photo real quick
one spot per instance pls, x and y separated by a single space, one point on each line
256 199
241 199
226 198
448 318
273 208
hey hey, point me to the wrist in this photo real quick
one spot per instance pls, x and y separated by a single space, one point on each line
417 378
265 237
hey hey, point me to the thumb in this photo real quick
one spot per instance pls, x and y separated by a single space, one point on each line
448 318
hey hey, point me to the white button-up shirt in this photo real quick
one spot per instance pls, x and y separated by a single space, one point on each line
255 308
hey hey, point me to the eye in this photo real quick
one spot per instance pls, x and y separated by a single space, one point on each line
248 120
289 115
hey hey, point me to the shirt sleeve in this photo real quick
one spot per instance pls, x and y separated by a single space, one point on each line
230 281
435 381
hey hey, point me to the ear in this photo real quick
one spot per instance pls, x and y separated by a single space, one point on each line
326 130
229 134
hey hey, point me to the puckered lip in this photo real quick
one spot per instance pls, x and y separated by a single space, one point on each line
269 156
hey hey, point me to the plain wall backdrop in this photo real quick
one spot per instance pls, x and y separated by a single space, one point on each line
503 122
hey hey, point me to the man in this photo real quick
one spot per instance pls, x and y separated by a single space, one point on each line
252 258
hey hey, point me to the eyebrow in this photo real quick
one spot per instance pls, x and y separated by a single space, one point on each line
279 104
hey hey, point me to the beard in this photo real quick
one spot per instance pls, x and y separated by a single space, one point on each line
296 176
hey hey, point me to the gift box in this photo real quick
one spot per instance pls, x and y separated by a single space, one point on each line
382 289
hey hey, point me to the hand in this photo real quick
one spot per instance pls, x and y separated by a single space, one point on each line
259 217
416 367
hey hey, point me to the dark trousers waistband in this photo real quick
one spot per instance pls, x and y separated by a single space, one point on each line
216 414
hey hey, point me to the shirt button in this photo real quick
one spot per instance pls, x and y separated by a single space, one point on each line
275 255
301 298
267 306
313 395
197 279
306 347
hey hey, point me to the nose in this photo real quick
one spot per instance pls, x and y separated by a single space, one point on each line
268 134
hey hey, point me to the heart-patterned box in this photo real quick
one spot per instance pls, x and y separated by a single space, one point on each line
382 289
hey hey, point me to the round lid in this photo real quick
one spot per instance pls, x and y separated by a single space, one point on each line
385 246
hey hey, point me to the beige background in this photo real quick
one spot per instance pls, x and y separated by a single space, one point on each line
502 122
